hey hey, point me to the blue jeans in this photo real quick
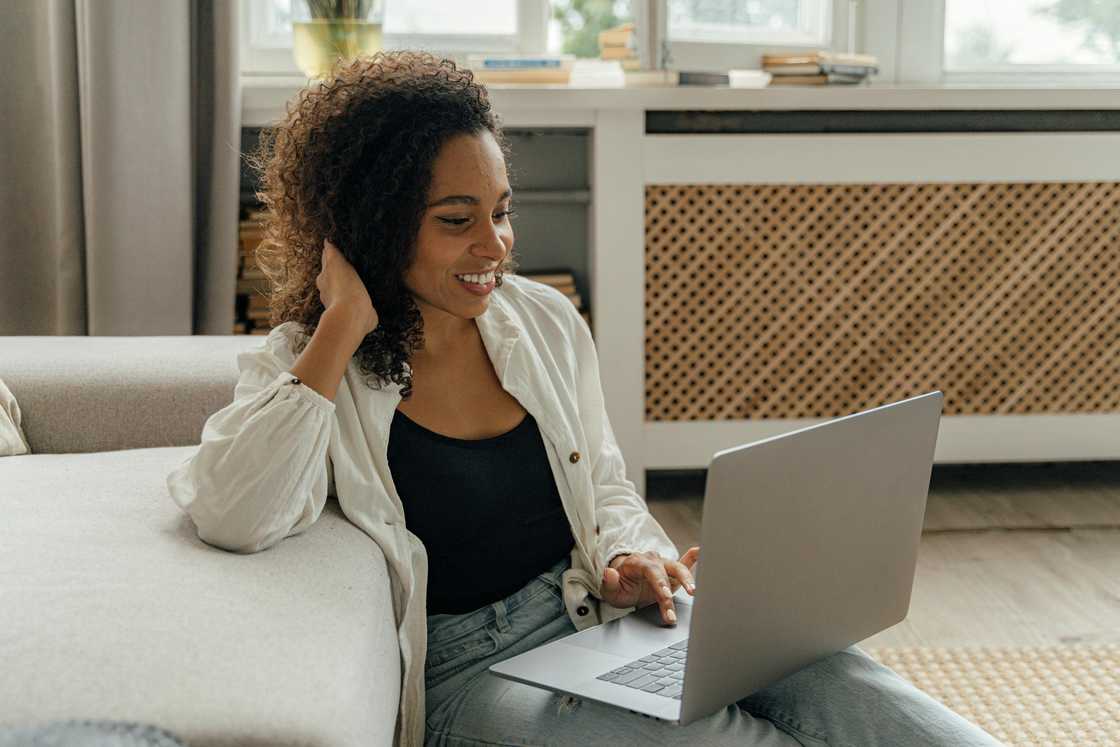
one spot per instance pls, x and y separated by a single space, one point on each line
844 699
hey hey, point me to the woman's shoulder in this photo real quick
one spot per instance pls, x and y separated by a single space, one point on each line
535 297
280 343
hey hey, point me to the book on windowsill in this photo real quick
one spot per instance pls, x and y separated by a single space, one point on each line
824 67
494 68
617 36
818 80
818 58
819 68
618 53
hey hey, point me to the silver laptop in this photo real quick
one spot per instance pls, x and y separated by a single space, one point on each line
809 544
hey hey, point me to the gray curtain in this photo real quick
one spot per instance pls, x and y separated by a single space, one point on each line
119 138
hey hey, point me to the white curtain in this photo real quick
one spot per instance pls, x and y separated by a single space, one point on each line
119 141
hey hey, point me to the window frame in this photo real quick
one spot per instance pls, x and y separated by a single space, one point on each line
723 56
921 35
907 36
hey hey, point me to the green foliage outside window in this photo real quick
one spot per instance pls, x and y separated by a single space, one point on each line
582 20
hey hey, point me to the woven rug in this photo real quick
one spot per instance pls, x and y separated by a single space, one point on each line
1022 695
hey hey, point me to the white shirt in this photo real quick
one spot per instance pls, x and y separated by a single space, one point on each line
240 499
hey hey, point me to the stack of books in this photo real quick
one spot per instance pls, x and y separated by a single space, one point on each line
564 281
819 68
620 43
252 285
493 68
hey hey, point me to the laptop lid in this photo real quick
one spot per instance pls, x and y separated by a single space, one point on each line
820 528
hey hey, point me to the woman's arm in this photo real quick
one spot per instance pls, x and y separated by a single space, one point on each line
625 523
261 471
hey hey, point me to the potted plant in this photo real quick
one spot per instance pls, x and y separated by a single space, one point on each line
328 32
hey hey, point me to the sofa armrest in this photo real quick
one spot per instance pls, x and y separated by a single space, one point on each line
83 394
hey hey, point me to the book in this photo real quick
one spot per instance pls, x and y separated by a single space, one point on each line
702 78
816 80
819 57
617 53
519 62
824 67
617 36
493 68
522 76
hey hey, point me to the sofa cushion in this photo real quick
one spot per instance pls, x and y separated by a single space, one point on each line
86 394
112 608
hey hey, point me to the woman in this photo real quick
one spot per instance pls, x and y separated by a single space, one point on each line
459 419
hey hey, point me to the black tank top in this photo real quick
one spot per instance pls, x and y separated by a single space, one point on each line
487 510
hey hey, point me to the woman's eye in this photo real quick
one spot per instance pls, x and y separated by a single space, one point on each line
461 221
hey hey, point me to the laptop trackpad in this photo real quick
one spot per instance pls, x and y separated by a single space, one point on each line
638 633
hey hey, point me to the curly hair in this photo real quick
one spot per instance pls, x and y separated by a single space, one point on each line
352 162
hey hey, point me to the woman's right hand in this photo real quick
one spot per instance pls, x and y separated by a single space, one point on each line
339 285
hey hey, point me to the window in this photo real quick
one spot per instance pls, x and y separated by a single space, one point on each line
1072 42
1051 35
755 21
724 34
506 26
697 34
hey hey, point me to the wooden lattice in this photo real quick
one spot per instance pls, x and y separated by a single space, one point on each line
813 301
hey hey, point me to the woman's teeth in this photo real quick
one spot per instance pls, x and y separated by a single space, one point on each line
477 279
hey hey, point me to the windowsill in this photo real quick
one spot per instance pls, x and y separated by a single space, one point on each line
264 96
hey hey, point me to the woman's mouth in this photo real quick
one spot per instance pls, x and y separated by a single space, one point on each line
479 289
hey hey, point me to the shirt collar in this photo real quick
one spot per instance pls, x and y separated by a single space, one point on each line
501 333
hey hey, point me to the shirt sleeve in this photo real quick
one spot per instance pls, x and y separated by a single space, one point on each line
625 523
261 471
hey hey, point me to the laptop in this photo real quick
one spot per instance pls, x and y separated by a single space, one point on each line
809 543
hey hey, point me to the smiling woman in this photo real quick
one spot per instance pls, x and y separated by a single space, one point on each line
397 160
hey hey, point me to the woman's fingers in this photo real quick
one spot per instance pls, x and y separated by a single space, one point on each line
659 582
691 556
682 573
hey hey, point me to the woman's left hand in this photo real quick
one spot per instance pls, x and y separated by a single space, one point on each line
643 578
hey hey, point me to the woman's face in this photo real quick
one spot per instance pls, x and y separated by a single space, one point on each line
465 227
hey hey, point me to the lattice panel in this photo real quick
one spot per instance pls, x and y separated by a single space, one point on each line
813 301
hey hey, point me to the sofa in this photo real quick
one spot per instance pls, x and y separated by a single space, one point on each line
111 608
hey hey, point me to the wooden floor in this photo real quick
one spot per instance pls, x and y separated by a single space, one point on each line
1011 554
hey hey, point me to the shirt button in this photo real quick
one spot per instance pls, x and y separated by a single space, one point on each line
582 610
596 529
295 381
573 457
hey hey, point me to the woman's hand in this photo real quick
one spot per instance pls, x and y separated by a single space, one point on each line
643 578
339 285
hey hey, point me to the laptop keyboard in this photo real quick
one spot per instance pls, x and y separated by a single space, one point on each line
661 672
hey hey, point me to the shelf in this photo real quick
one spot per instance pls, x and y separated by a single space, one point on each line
263 99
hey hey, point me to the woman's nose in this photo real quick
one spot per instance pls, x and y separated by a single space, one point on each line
493 240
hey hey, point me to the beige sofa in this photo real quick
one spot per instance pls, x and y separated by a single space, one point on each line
110 605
